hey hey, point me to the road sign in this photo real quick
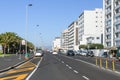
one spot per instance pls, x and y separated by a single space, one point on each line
23 42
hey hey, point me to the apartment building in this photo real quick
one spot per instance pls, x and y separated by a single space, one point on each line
111 23
56 44
90 26
73 36
64 40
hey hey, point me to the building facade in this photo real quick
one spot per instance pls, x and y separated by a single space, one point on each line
90 27
111 23
56 44
64 40
73 36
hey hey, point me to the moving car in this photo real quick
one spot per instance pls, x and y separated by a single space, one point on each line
54 52
38 53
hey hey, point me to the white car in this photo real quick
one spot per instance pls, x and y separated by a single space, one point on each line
84 53
38 53
54 52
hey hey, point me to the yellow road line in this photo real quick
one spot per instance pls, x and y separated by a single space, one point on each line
20 70
16 77
27 64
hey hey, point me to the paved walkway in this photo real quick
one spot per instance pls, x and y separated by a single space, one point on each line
10 61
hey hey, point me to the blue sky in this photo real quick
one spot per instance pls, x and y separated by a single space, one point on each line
52 16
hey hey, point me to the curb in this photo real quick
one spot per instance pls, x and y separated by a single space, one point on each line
12 67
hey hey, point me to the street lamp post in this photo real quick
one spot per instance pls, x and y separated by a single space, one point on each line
26 55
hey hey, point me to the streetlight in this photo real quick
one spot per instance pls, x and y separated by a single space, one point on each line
36 36
26 55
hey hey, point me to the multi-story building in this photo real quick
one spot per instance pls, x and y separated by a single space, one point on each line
64 40
111 23
73 36
90 26
56 44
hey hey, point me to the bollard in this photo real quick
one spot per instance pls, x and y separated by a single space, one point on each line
106 63
96 61
100 62
113 65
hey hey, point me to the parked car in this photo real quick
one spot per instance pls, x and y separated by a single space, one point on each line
78 52
70 53
90 53
38 53
83 53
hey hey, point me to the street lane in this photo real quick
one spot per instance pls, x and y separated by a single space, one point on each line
51 68
61 67
89 70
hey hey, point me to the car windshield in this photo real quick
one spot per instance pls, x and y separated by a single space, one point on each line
38 51
70 51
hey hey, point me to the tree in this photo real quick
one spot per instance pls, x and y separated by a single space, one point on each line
92 46
6 39
95 46
10 41
82 46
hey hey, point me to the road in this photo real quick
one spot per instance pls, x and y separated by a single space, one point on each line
20 72
61 67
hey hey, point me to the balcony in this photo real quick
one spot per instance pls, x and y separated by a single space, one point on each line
107 5
108 40
108 33
117 22
108 11
118 38
117 14
117 30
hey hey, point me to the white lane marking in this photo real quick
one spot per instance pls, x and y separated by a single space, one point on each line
76 71
34 70
85 62
70 67
85 78
67 65
62 61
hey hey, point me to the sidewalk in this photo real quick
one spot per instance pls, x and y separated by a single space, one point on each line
9 62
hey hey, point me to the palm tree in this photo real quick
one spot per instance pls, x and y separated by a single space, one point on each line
3 41
6 39
11 40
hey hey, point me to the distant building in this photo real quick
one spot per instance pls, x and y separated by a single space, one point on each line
90 27
64 40
56 44
111 23
73 36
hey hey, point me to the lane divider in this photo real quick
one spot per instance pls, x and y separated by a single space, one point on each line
34 70
85 78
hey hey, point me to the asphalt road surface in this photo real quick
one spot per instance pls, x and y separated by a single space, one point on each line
61 67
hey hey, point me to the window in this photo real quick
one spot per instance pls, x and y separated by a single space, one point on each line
97 38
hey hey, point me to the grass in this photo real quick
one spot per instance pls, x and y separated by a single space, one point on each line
1 54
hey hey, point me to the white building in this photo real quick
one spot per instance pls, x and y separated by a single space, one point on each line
73 36
111 23
64 40
90 26
56 44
